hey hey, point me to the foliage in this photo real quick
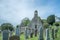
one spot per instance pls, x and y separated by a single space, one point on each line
56 24
7 26
25 22
51 19
14 37
46 25
17 26
44 20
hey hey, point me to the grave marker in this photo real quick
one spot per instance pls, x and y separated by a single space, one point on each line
41 34
26 33
53 34
5 35
47 34
18 31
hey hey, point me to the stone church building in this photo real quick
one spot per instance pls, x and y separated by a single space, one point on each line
35 23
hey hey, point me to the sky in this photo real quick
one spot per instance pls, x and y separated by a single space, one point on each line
14 11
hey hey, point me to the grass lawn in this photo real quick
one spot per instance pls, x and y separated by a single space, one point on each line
22 37
0 36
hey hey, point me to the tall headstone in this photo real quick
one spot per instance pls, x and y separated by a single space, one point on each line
10 33
26 33
47 34
56 33
29 31
53 33
18 31
5 34
41 34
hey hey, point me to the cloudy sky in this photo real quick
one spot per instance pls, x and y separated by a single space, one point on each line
14 11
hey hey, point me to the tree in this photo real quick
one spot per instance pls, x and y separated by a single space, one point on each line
46 25
25 22
56 24
51 19
6 26
44 20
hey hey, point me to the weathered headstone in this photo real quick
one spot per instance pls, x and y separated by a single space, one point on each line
29 31
32 32
41 34
47 34
56 33
53 34
26 33
10 33
18 31
5 35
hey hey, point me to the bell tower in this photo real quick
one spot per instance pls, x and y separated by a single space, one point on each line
35 13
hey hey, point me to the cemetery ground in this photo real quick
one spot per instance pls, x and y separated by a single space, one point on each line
22 37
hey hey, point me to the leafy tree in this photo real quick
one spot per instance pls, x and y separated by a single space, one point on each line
44 20
7 26
46 25
51 19
11 28
25 21
56 24
17 26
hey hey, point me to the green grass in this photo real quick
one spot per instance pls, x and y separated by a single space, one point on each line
22 37
0 36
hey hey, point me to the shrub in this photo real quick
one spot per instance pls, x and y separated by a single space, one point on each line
14 37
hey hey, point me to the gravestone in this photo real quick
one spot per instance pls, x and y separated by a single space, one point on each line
10 33
53 34
41 34
5 35
29 31
56 33
18 31
26 33
47 34
32 32
14 37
